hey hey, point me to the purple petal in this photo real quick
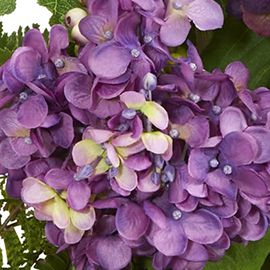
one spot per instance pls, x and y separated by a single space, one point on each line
146 184
262 136
112 253
33 112
247 180
202 227
127 179
131 222
83 220
58 178
109 91
109 60
23 146
25 64
195 253
34 39
98 135
239 148
63 133
232 119
78 90
205 14
78 195
9 158
175 30
138 162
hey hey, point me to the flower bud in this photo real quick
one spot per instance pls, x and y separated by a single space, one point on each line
77 36
74 16
150 82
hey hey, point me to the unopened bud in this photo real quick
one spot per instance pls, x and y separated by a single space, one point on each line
150 82
74 16
77 36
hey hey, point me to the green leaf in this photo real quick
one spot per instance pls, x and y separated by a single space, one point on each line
236 42
59 8
240 257
54 261
7 6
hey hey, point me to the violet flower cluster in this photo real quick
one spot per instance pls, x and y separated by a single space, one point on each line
122 159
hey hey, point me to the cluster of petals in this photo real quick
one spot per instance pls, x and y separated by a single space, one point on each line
123 159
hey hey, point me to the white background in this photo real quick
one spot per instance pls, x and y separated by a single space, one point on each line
27 12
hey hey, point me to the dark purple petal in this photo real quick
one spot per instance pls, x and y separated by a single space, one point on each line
63 133
33 111
131 221
78 195
9 158
112 253
202 227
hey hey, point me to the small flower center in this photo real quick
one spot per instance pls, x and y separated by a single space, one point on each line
84 172
216 109
176 214
227 169
135 53
42 76
253 117
129 114
147 38
177 4
193 66
123 127
59 63
28 141
108 35
174 133
213 163
23 96
195 98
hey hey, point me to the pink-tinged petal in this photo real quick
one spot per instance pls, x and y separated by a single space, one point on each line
23 146
149 5
25 64
78 195
83 220
127 178
156 114
33 112
98 135
133 100
10 125
169 152
175 30
146 184
63 132
197 190
205 14
108 108
44 210
232 119
239 148
212 142
196 253
44 142
155 142
239 75
137 127
124 140
34 191
72 235
131 221
58 178
202 227
259 23
10 159
112 155
109 91
85 152
138 162
33 38
109 60
112 253
262 136
102 167
60 214
131 150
